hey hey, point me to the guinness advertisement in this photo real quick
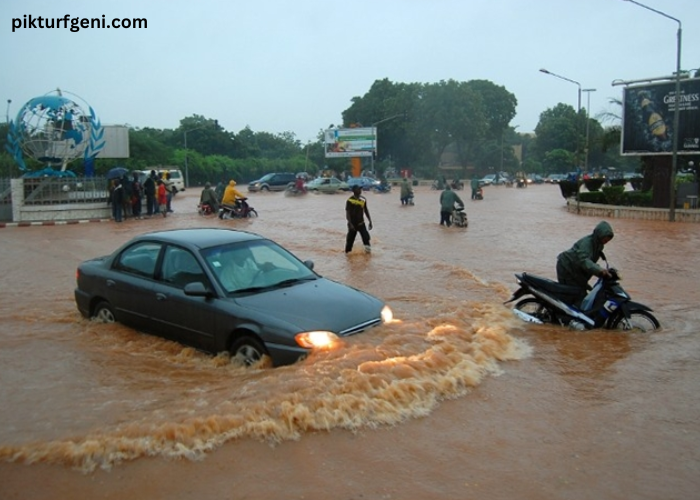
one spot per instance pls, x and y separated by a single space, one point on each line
647 118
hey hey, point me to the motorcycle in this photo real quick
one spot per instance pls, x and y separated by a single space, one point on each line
479 194
459 217
457 185
205 209
408 200
607 305
382 188
240 210
293 190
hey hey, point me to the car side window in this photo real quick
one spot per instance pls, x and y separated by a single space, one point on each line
139 259
181 268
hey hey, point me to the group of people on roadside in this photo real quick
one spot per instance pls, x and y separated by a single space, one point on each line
126 196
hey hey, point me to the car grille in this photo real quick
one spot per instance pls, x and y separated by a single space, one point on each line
359 328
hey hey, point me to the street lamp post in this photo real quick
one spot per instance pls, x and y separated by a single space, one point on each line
676 111
7 112
568 80
578 109
588 120
374 126
187 172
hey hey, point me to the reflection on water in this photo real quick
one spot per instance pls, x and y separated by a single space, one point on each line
91 395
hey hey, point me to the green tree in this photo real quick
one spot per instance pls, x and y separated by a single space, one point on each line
558 128
559 161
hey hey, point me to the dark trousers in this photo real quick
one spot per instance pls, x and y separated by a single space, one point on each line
150 203
136 206
446 218
117 212
352 234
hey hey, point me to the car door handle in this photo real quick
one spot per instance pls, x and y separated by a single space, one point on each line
161 296
111 283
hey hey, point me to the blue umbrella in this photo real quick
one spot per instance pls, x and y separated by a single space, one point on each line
117 173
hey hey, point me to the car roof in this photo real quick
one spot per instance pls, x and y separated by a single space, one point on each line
200 237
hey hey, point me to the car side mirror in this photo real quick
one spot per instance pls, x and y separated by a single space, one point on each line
309 264
197 289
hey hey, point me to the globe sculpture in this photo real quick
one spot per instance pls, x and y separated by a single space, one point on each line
55 130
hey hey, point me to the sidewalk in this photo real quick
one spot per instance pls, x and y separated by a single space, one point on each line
50 223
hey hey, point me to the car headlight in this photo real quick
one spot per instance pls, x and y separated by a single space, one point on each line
316 339
387 314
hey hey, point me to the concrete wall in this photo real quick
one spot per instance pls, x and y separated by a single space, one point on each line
619 212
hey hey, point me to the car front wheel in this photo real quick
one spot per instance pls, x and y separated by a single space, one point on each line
247 351
104 313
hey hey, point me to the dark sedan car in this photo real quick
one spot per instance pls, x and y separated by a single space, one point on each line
224 290
366 183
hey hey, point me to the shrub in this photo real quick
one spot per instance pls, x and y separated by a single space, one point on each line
618 182
614 194
637 198
593 184
592 197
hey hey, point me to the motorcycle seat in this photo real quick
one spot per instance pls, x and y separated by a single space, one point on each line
551 286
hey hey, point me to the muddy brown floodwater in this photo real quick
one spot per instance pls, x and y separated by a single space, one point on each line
455 399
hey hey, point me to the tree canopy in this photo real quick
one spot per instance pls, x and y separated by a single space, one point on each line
421 126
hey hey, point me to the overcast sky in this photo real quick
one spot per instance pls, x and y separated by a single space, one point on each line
278 65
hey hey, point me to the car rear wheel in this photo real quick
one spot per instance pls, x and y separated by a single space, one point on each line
104 313
247 351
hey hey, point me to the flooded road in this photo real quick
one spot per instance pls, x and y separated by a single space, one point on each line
456 399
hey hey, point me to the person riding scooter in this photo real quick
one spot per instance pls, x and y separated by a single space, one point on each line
231 198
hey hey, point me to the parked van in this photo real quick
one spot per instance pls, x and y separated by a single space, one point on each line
175 177
275 181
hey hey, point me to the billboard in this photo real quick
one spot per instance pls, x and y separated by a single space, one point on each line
647 118
116 142
350 142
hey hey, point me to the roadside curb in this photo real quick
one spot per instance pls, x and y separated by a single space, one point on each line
50 223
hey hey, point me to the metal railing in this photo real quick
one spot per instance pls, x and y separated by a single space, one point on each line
61 191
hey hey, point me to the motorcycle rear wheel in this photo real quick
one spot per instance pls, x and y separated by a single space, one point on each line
535 308
639 321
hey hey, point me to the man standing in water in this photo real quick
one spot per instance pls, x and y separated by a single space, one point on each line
355 211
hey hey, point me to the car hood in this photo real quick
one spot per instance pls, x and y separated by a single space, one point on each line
321 304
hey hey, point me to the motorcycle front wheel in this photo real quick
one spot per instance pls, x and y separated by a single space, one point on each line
535 308
639 321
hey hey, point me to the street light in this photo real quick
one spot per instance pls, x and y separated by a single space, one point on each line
676 111
7 112
578 110
187 172
374 125
588 120
568 80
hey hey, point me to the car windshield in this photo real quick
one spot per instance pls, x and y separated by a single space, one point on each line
253 266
